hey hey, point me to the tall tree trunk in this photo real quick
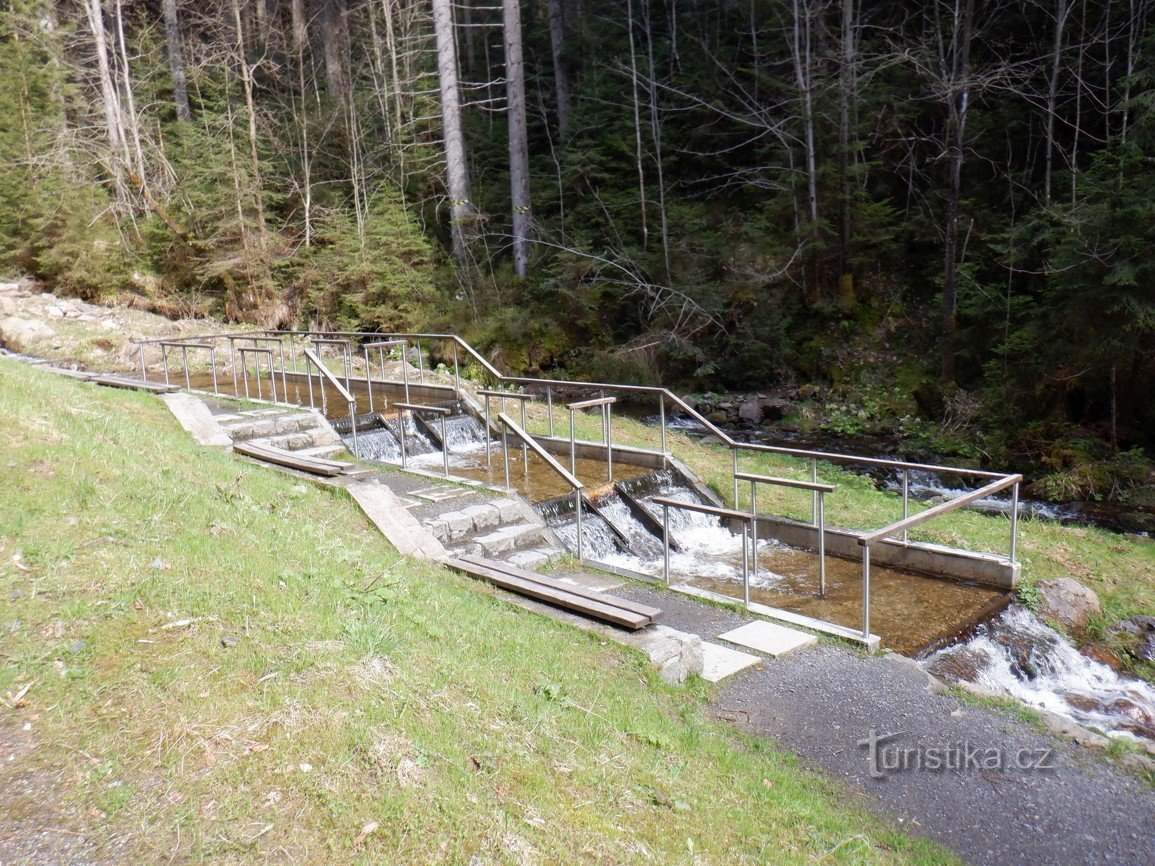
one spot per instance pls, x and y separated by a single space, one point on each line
803 76
176 60
300 43
1062 9
335 37
959 96
110 101
461 209
561 81
637 127
847 86
251 111
518 135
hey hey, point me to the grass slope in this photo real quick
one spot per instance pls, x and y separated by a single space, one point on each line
226 665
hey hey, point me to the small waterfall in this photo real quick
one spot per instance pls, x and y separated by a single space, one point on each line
598 540
642 542
464 433
379 444
417 441
1018 655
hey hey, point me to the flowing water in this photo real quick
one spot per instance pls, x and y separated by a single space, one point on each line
1018 655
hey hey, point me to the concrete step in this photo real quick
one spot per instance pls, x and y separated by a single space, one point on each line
314 437
533 558
322 451
505 540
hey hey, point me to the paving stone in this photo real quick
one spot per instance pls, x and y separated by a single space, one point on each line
458 523
719 662
766 637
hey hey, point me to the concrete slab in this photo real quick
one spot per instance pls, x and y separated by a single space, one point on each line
195 417
766 637
404 532
441 494
719 662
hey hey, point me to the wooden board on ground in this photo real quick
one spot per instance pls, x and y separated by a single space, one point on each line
71 374
312 465
625 604
136 384
607 608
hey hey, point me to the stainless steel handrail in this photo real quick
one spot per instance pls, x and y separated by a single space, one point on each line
819 490
436 410
325 374
508 424
749 528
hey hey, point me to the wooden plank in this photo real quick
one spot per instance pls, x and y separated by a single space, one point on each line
624 604
287 458
83 375
561 598
136 384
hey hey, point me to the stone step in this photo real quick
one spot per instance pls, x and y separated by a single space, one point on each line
310 438
505 540
278 425
532 559
462 523
322 450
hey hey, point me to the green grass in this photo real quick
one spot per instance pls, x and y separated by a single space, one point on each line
1120 568
356 686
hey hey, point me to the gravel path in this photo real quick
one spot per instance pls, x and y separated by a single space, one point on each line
822 702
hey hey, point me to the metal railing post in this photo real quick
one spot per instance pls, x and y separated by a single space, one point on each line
353 424
401 427
184 360
445 445
753 554
524 449
213 362
420 365
164 361
905 500
666 543
284 381
488 458
662 418
233 364
746 564
143 368
1014 524
456 370
505 451
610 442
821 545
814 493
866 592
405 369
549 407
577 495
369 380
572 446
734 451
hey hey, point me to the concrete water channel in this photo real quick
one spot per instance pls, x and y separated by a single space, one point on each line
399 399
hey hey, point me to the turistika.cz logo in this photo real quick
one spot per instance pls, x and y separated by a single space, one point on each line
885 757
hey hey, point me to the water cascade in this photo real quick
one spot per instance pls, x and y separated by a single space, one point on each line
1018 655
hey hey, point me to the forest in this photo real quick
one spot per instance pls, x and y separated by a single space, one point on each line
934 220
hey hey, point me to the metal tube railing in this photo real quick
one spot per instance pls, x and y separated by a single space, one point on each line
325 375
437 410
569 478
819 492
725 513
605 404
666 399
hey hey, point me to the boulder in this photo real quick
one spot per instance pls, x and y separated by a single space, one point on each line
1068 602
775 408
960 663
1145 651
677 654
750 412
20 335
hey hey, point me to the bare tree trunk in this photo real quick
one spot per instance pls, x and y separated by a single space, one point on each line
110 101
300 40
803 75
456 171
560 73
518 135
847 85
959 96
656 133
1062 10
176 60
637 127
335 37
254 150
